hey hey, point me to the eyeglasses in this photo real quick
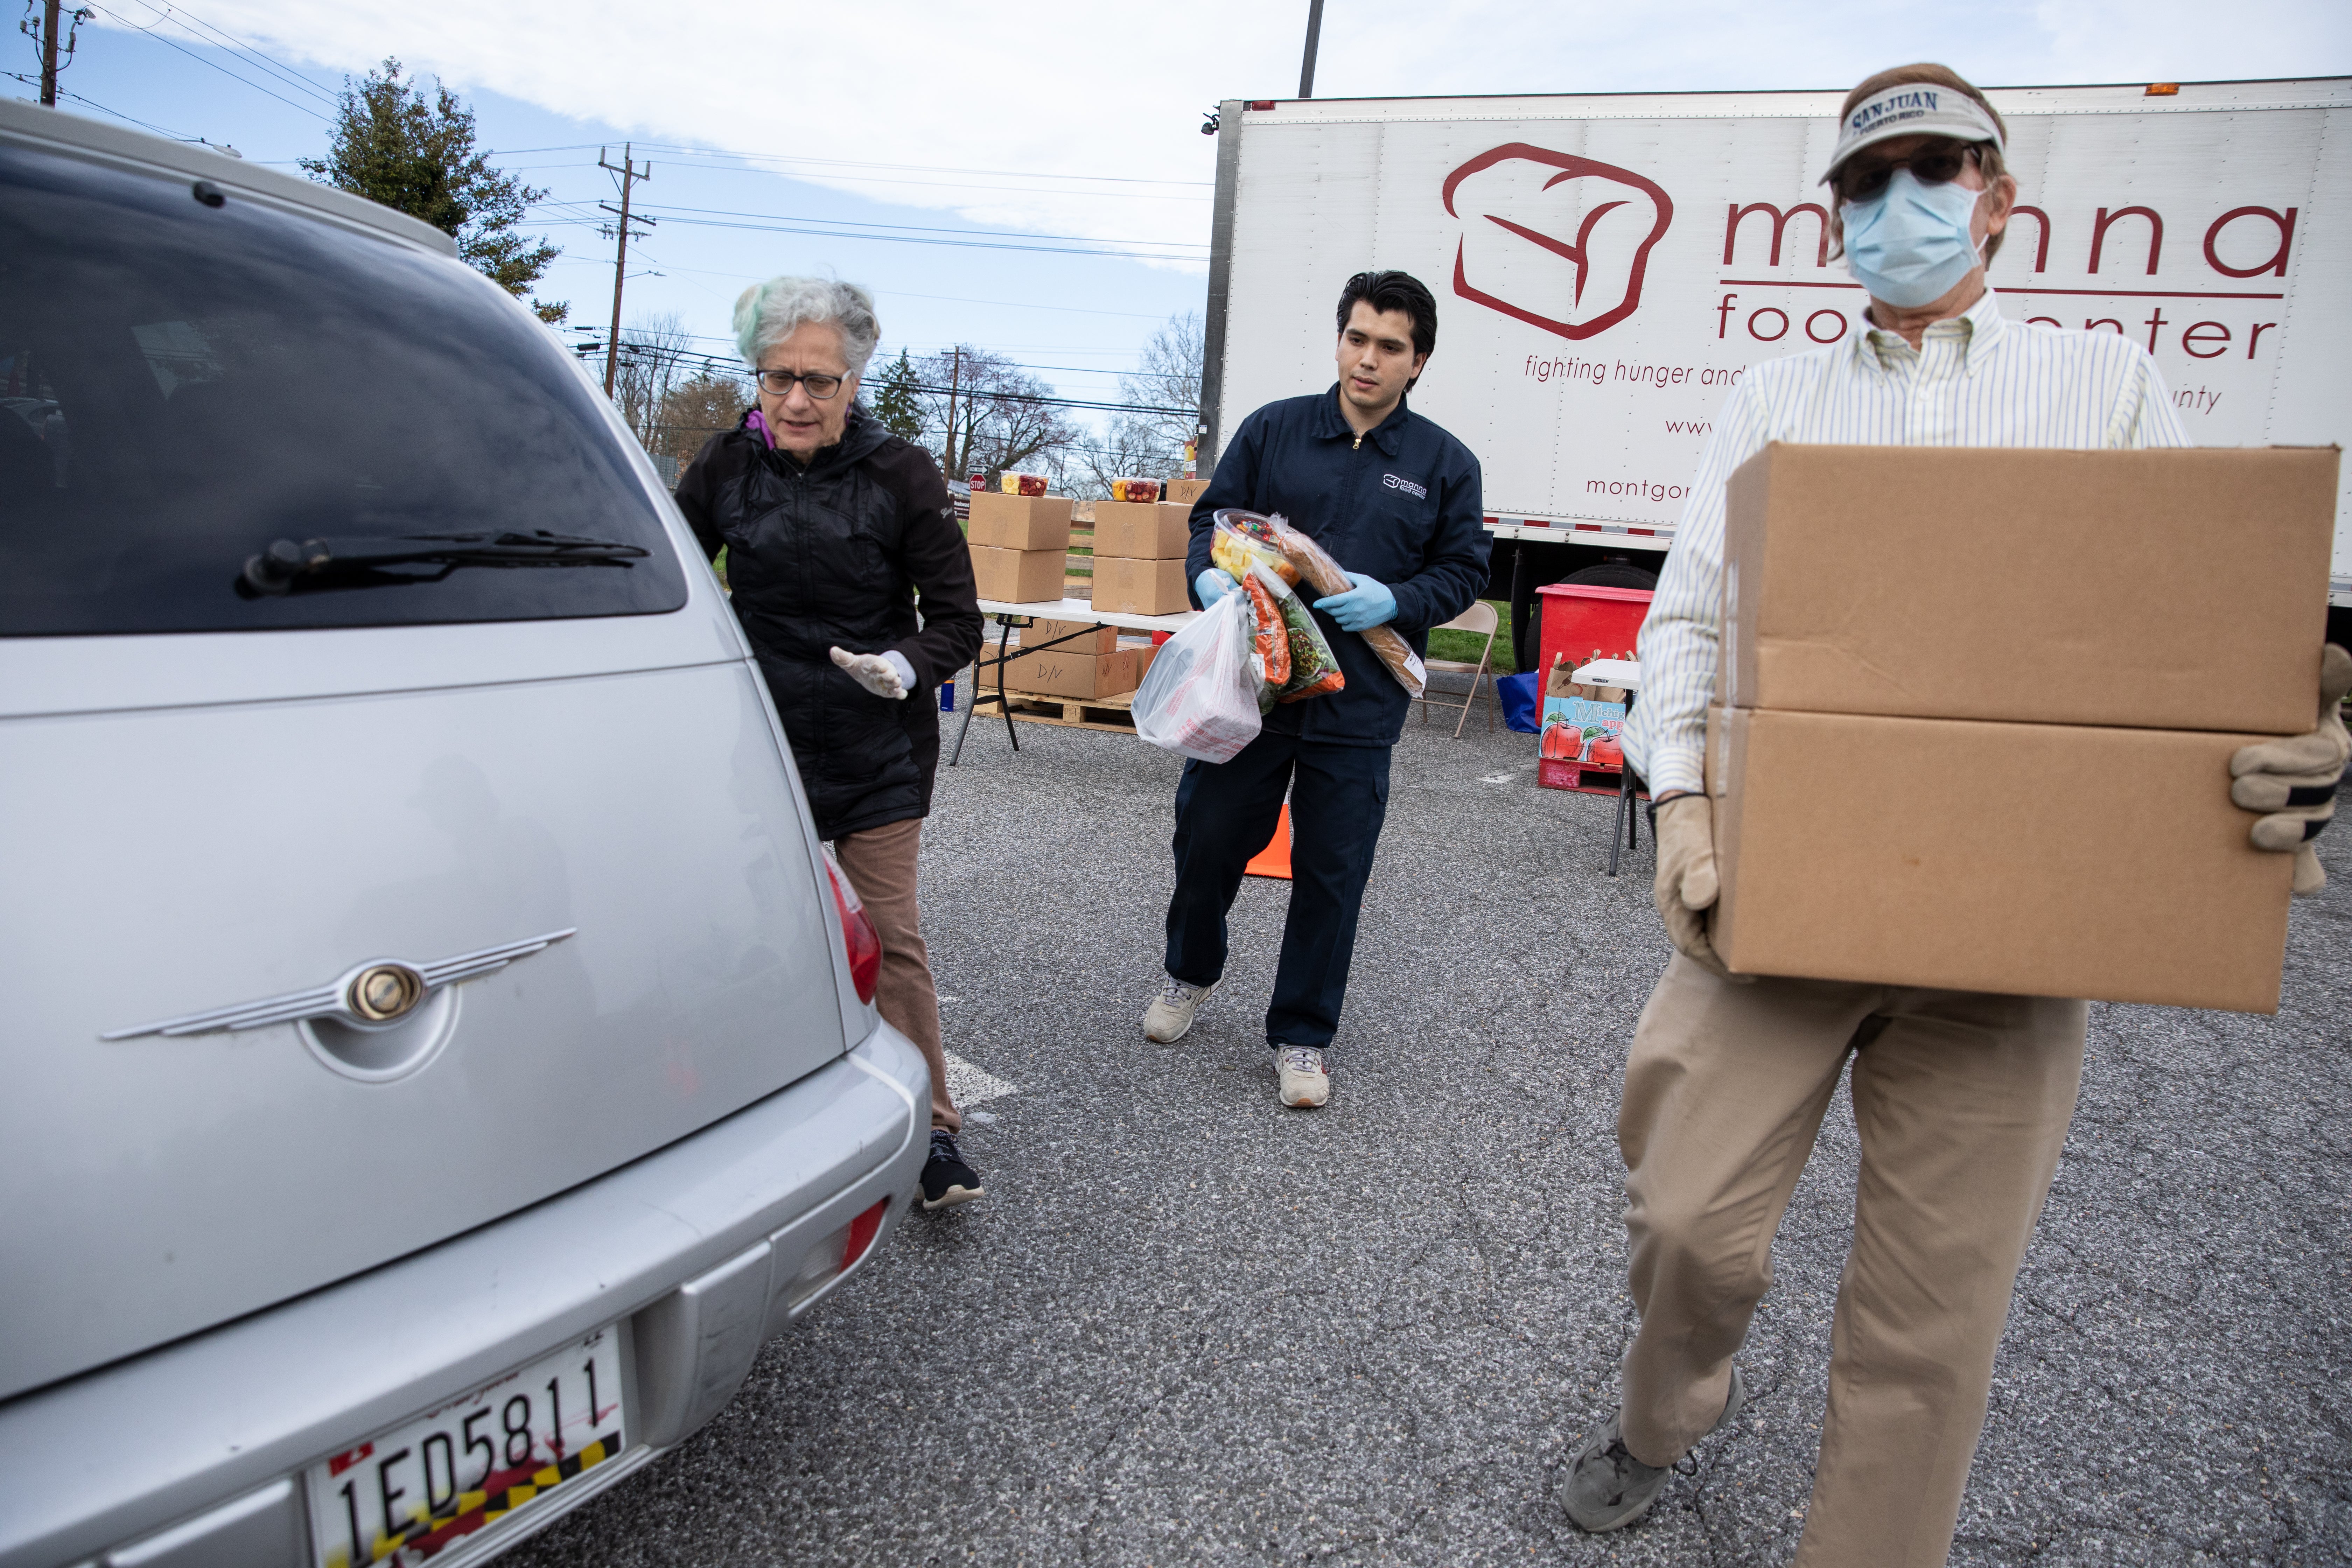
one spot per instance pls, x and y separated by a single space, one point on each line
1929 166
779 384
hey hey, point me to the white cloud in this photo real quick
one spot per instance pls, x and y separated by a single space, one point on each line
1064 88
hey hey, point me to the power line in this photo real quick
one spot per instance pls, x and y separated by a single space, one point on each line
190 21
681 150
917 239
172 43
913 228
714 363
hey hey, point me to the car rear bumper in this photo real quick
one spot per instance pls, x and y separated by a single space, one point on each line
192 1455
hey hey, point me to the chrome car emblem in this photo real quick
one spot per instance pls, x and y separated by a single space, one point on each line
381 991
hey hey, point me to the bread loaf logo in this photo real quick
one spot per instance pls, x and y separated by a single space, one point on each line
1552 239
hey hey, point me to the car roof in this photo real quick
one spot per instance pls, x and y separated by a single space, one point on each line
23 119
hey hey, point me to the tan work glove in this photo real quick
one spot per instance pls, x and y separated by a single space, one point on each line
1686 885
2294 780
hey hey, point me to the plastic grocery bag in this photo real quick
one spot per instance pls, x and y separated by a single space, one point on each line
1200 697
1317 567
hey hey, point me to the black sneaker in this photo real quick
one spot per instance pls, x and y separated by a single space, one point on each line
947 1180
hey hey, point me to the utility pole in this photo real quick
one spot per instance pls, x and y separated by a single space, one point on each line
1314 37
947 455
50 53
629 175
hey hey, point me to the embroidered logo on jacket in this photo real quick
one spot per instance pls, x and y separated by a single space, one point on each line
1418 493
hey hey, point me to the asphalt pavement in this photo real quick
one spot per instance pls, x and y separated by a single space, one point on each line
1187 1326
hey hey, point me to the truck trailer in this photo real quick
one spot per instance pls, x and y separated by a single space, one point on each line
1607 267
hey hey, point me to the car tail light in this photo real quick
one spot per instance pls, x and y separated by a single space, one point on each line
857 930
831 1257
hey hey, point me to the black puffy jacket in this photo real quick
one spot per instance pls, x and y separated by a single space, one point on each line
832 555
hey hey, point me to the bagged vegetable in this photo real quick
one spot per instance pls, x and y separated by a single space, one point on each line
1201 699
1314 565
1270 645
1239 538
1314 669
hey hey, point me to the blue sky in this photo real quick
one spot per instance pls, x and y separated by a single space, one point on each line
1028 121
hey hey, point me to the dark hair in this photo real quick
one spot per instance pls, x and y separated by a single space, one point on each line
1386 291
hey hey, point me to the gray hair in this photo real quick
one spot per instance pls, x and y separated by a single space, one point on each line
767 313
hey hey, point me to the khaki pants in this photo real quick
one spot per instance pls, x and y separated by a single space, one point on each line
880 864
1961 1102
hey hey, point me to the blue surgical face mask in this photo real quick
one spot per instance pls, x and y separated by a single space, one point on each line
1910 244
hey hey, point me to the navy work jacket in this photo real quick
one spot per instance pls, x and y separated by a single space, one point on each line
1400 505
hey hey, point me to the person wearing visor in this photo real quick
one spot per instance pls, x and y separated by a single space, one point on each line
1962 1101
832 526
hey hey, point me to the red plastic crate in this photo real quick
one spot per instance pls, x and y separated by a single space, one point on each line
1578 617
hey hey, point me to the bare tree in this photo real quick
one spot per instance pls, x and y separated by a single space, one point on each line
1163 401
1003 417
650 369
695 410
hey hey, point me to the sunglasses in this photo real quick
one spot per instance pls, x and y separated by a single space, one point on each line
1929 166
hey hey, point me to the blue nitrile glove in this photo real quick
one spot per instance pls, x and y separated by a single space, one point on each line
1366 604
1214 585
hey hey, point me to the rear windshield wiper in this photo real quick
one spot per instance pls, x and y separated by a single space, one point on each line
358 563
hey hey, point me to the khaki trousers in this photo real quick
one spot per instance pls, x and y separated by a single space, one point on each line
881 865
1961 1102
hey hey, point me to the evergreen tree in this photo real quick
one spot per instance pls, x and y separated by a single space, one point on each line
898 404
393 145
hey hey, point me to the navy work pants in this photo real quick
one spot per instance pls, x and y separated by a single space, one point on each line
1225 812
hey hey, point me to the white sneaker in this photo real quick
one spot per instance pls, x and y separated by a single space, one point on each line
1305 1083
1171 1013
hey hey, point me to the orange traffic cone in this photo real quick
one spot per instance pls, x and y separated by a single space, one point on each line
1274 860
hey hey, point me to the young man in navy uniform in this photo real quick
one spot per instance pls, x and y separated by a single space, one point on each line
1396 502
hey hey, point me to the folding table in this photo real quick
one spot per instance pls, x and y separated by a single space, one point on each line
1051 610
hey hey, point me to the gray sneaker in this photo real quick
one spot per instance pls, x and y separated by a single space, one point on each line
1305 1082
1609 1489
1171 1013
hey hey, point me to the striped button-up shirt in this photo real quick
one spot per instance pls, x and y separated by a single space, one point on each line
1977 380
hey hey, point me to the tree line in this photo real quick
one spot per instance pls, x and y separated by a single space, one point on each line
975 411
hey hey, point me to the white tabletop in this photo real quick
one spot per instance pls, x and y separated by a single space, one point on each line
1083 610
1619 672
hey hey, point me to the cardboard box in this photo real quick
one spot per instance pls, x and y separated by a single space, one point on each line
1091 639
1142 530
2176 590
2032 860
1145 651
1020 523
1131 587
1081 675
1019 576
1186 490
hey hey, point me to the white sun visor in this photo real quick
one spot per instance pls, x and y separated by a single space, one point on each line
1912 108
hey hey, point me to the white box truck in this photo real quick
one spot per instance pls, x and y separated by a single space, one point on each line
1607 267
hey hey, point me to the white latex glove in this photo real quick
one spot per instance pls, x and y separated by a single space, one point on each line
884 674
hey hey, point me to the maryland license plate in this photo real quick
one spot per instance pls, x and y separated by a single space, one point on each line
407 1494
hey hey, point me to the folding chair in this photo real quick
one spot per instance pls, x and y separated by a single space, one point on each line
1478 620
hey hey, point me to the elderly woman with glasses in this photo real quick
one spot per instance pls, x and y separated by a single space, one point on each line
832 529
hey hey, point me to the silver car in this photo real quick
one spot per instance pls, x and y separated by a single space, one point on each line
437 1052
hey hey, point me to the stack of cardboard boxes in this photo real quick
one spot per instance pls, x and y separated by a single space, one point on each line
1140 554
1977 709
1089 666
1020 546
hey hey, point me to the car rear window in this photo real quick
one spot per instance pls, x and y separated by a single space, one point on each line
183 386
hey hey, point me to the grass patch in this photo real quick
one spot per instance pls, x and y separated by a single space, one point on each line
1465 647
